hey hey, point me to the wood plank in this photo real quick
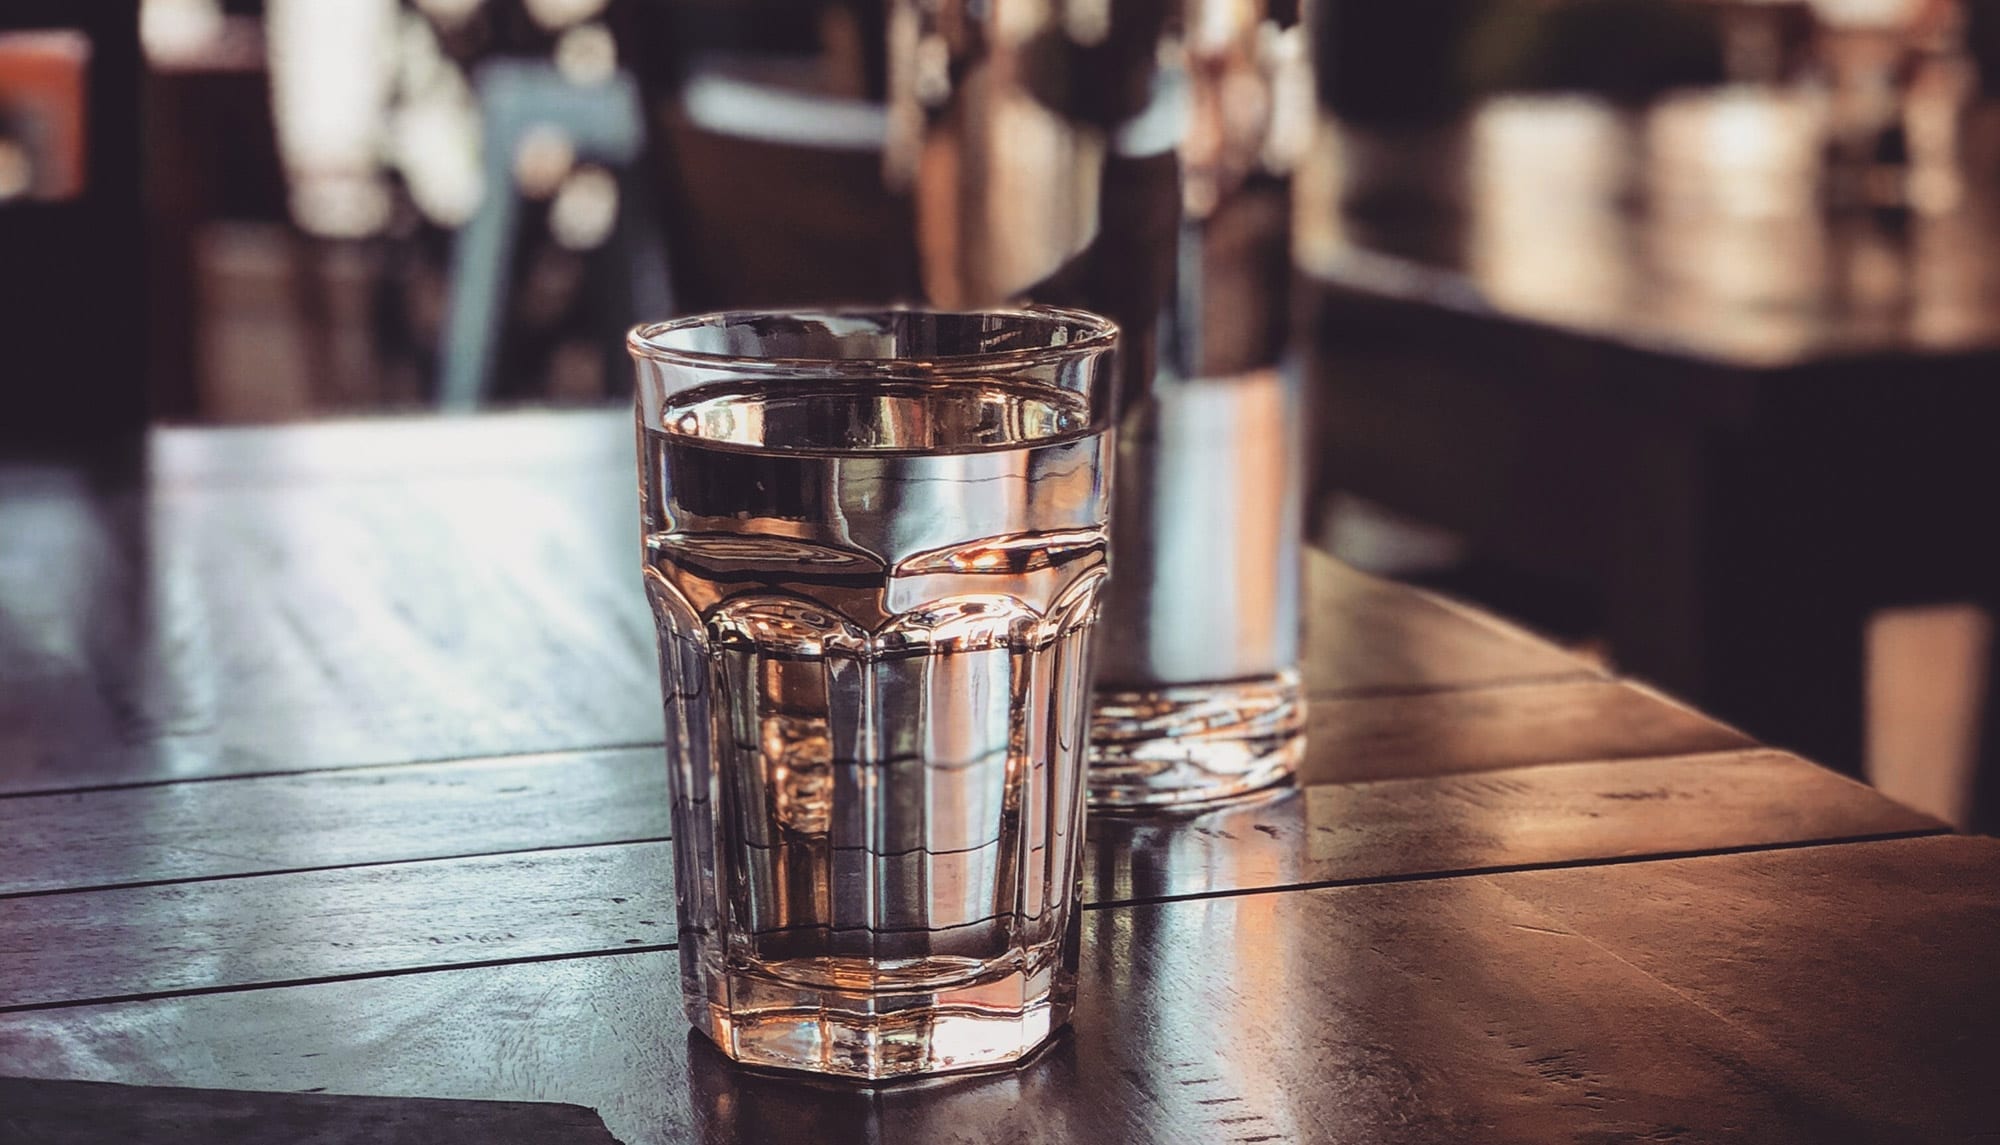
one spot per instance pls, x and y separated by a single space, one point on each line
193 831
470 585
1442 733
1510 817
1594 1004
263 626
313 924
1871 964
280 823
176 831
1366 635
320 924
187 831
88 1112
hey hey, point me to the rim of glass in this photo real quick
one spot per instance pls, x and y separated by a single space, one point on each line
1091 332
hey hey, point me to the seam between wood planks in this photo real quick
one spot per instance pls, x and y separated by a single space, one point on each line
335 769
1547 865
364 864
1718 756
1392 691
1386 691
1157 900
323 979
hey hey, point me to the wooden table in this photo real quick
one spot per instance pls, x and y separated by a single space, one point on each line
1631 352
329 770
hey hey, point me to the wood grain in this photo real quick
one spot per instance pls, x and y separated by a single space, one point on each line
319 924
187 831
232 933
87 1113
329 761
387 591
1640 291
1366 635
1442 733
258 825
1870 964
1510 817
265 625
1762 998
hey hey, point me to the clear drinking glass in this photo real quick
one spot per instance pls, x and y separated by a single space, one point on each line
874 544
1131 159
1198 690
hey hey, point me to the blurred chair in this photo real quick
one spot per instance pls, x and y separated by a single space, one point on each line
739 139
526 104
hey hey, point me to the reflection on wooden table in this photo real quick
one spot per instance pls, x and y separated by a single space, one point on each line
331 765
1693 226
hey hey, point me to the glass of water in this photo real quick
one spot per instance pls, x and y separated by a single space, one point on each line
874 544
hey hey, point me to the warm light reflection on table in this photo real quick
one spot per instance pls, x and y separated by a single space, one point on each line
1695 224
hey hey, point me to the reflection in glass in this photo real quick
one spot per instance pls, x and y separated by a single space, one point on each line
874 545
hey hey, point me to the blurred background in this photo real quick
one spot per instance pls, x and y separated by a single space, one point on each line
1666 327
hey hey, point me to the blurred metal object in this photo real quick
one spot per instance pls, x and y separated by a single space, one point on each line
1116 155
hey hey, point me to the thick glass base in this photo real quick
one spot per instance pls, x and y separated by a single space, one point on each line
1184 744
881 1034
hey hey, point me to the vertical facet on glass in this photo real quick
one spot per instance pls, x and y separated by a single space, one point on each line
874 545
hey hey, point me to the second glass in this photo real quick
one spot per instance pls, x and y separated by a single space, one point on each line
874 544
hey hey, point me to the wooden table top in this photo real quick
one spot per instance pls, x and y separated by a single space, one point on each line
329 776
1694 229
